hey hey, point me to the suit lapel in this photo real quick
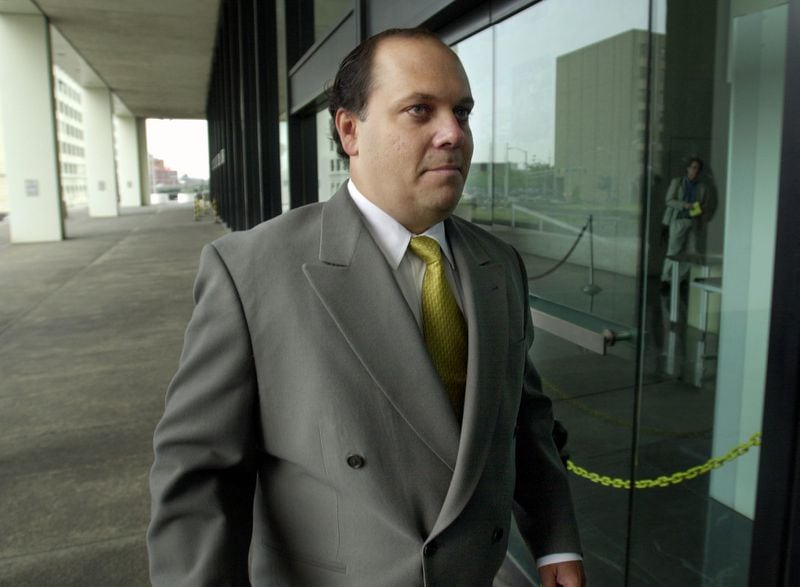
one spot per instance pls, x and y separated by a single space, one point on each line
485 308
358 289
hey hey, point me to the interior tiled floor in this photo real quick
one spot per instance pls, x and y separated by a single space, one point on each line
90 333
676 535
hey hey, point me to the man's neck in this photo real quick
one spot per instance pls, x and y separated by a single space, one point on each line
414 226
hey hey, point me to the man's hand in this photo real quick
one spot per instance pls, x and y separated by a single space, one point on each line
568 574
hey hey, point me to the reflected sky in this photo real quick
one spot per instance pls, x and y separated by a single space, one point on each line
524 68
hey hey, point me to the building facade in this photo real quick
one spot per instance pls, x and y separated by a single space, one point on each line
71 141
684 434
160 174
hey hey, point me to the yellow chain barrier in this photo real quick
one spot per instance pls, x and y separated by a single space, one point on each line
667 480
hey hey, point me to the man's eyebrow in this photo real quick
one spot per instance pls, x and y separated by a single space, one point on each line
423 97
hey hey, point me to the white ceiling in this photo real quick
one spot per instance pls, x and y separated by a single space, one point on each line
154 55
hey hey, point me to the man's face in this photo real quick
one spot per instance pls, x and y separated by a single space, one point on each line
411 152
693 170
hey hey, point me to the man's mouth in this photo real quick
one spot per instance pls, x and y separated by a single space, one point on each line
447 169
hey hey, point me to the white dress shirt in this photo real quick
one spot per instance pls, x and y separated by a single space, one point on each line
392 239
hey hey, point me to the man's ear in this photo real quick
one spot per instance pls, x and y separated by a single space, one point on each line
347 127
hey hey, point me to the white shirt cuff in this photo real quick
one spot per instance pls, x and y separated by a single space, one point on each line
561 557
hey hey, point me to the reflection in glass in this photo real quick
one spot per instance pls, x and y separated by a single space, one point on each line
476 55
722 97
332 170
584 117
548 156
327 13
569 146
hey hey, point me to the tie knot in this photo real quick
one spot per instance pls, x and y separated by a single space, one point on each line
426 248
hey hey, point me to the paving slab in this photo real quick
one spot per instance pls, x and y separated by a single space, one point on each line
91 329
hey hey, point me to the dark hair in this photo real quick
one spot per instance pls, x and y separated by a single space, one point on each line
699 162
353 84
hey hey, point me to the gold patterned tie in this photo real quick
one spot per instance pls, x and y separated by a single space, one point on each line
443 324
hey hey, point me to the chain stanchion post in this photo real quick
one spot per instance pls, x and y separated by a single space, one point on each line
564 260
591 288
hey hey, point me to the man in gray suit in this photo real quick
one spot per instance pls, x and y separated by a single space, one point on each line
311 435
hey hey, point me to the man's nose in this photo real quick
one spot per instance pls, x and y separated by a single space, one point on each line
450 132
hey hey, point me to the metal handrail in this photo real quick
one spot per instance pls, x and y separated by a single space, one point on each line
586 330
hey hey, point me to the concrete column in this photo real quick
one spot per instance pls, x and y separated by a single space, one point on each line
128 176
757 65
101 176
29 131
144 161
3 188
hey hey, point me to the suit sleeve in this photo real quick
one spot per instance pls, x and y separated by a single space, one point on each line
542 499
673 198
203 478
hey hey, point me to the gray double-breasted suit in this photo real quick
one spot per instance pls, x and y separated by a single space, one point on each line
307 439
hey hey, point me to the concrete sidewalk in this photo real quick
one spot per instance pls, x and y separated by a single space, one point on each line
90 333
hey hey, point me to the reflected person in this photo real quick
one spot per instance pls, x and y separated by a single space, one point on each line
682 220
354 403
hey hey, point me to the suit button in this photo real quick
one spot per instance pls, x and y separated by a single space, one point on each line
355 461
430 549
497 535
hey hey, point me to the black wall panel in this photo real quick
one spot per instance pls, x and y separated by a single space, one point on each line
242 112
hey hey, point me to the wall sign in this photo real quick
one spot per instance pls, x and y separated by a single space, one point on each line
31 188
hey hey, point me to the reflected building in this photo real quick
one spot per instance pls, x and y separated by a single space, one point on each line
332 170
601 115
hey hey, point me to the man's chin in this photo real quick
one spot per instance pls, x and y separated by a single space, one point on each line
448 203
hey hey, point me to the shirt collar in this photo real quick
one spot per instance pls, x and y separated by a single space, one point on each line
392 237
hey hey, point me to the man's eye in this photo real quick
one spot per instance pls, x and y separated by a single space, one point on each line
419 110
462 113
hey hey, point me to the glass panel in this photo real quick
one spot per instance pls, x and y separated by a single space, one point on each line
569 147
476 55
332 170
584 98
718 95
559 125
327 13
